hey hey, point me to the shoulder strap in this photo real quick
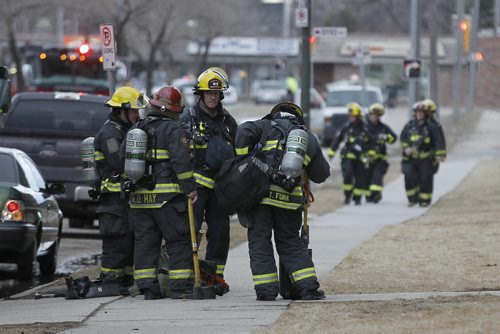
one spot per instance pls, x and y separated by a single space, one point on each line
265 133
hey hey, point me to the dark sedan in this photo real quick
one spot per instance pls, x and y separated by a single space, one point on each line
31 221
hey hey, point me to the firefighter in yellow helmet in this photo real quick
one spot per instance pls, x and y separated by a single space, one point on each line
213 132
439 155
381 134
115 230
356 143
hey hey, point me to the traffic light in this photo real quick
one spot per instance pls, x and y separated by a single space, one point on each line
465 29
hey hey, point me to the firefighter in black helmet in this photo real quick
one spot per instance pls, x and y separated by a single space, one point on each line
439 155
115 230
281 211
158 206
381 134
213 132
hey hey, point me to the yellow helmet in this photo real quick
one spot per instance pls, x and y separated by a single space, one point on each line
431 105
126 97
210 80
377 109
419 105
222 74
354 109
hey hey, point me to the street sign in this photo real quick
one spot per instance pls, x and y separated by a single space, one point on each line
108 46
362 56
301 18
330 31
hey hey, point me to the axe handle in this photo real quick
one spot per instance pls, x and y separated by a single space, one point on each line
194 243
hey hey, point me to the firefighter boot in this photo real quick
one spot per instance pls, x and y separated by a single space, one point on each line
313 295
153 292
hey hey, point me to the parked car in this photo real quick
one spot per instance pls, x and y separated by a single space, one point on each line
31 221
338 97
50 127
318 106
268 91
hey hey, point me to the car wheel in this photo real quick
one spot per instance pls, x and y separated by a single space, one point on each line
26 264
48 263
78 222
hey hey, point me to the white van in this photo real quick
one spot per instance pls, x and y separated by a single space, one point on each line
335 113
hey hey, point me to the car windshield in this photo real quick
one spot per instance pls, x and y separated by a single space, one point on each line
69 115
340 98
8 168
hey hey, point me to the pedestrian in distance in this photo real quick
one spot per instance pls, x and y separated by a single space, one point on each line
112 209
159 199
356 143
280 212
419 140
213 131
381 135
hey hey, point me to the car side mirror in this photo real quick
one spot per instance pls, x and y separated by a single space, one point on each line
56 189
4 89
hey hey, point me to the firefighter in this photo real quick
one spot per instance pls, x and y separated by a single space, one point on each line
381 134
158 204
354 155
115 230
281 211
419 139
440 155
213 132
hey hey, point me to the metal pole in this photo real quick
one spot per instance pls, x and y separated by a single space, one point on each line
111 81
362 74
305 97
472 60
60 25
285 30
497 16
457 70
434 69
412 82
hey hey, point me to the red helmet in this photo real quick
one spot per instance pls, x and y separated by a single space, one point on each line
168 98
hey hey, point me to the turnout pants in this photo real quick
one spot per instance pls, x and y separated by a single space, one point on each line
376 173
355 176
291 249
151 226
206 208
117 245
419 180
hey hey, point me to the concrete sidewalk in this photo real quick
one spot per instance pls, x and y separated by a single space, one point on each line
333 236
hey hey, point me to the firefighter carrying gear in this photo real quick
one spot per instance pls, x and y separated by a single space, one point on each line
159 207
439 155
354 153
213 133
380 134
419 141
112 211
281 212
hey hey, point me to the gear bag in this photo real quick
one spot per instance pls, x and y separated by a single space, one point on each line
244 181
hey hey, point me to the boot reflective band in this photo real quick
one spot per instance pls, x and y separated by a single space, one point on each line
145 273
303 273
265 278
117 272
180 274
220 269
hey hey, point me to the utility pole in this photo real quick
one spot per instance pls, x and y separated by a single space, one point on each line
457 70
285 29
472 59
497 17
434 69
415 52
305 97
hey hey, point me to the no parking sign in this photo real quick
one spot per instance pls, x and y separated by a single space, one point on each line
108 46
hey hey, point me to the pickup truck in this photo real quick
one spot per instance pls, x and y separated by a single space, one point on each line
49 127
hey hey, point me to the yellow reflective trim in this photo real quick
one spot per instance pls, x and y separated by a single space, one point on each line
303 273
185 175
376 187
220 269
201 146
425 196
331 153
161 188
242 151
204 181
361 192
270 145
265 278
279 204
307 160
119 272
297 191
372 152
348 187
159 154
145 273
180 274
412 192
111 186
147 206
390 138
424 155
350 156
99 156
415 137
441 152
128 270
